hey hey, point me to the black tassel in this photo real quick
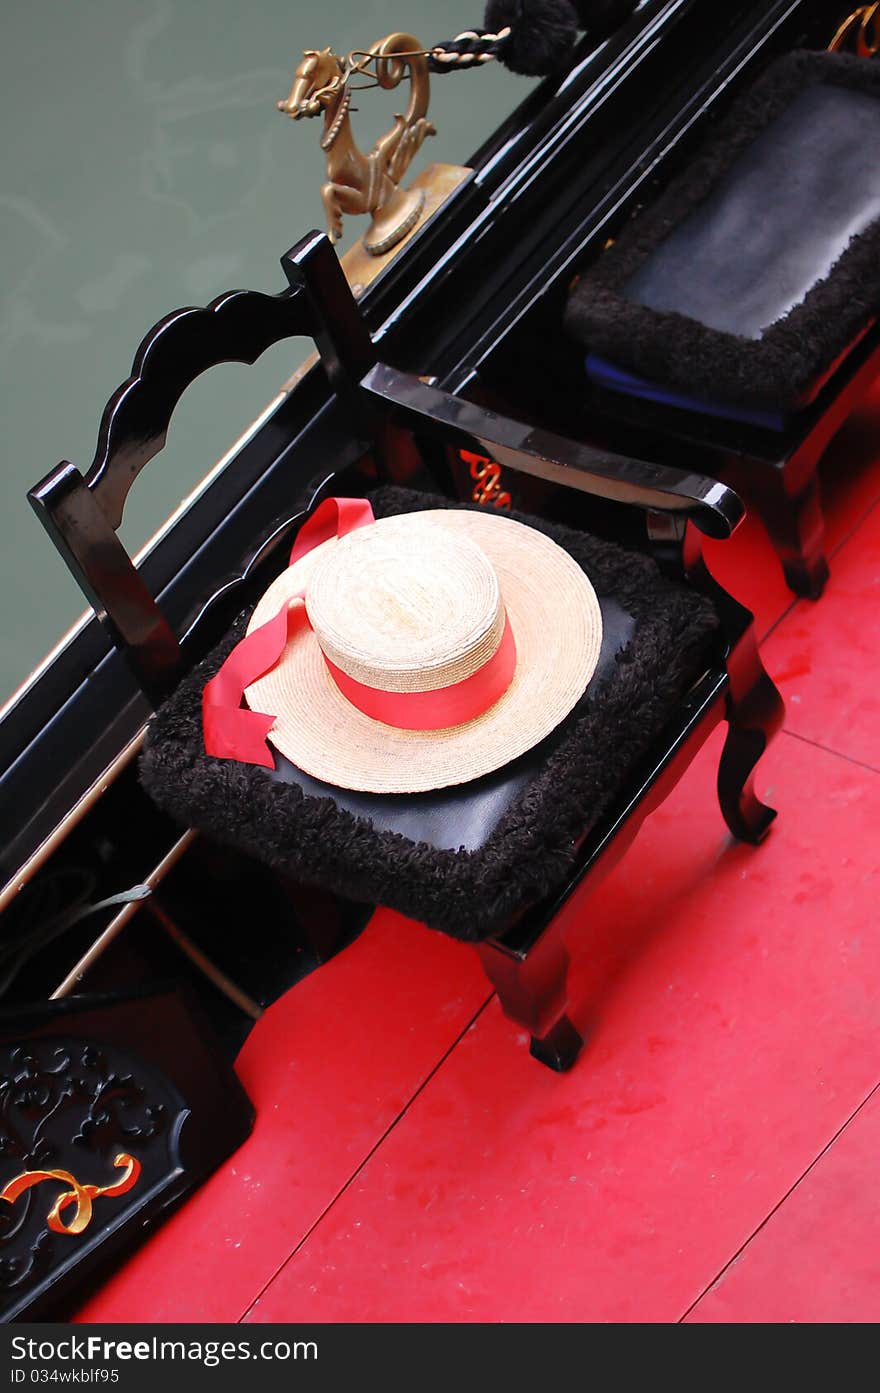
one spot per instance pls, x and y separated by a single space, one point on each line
532 37
542 36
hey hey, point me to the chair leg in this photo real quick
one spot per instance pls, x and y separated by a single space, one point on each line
797 530
533 993
754 714
559 1048
318 915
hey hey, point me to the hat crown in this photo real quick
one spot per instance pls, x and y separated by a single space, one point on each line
406 605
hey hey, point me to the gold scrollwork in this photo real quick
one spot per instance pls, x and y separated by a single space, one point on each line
80 1195
487 474
861 31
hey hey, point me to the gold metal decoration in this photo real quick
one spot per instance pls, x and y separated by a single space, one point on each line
80 1195
487 474
860 31
358 183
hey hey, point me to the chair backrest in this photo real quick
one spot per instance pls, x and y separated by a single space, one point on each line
82 513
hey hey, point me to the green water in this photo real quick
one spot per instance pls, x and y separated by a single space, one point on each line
144 167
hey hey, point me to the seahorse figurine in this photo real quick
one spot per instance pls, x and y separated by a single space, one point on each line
358 183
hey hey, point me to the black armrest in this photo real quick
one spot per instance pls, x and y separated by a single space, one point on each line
713 508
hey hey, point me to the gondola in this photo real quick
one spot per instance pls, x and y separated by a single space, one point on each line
139 953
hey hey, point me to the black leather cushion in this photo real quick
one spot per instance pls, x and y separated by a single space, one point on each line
465 859
464 818
758 267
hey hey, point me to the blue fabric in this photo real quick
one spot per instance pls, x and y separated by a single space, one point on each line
615 379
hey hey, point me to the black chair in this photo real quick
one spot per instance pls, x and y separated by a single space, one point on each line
735 319
660 600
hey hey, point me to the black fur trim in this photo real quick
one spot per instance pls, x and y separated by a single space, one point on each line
542 36
677 351
466 894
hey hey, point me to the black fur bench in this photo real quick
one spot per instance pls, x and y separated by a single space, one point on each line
739 311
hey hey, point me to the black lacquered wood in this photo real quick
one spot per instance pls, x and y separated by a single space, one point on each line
237 327
528 964
335 322
81 1081
776 472
81 513
713 507
94 554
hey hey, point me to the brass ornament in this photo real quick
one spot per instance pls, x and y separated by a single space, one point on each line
487 480
80 1195
860 32
358 183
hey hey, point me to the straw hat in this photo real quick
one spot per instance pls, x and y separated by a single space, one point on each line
418 603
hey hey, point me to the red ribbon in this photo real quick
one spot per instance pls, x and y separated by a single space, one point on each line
235 732
335 517
445 706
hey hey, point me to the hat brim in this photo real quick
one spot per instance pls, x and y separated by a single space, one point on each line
557 626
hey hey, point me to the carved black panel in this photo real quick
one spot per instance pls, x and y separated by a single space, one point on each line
108 1113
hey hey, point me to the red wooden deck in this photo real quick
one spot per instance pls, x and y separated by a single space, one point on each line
712 1156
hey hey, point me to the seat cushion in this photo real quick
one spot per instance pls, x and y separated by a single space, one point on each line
757 270
467 859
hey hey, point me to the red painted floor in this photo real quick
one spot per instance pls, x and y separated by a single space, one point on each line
818 1256
711 1157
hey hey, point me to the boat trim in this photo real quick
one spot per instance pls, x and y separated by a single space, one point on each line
118 923
16 883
